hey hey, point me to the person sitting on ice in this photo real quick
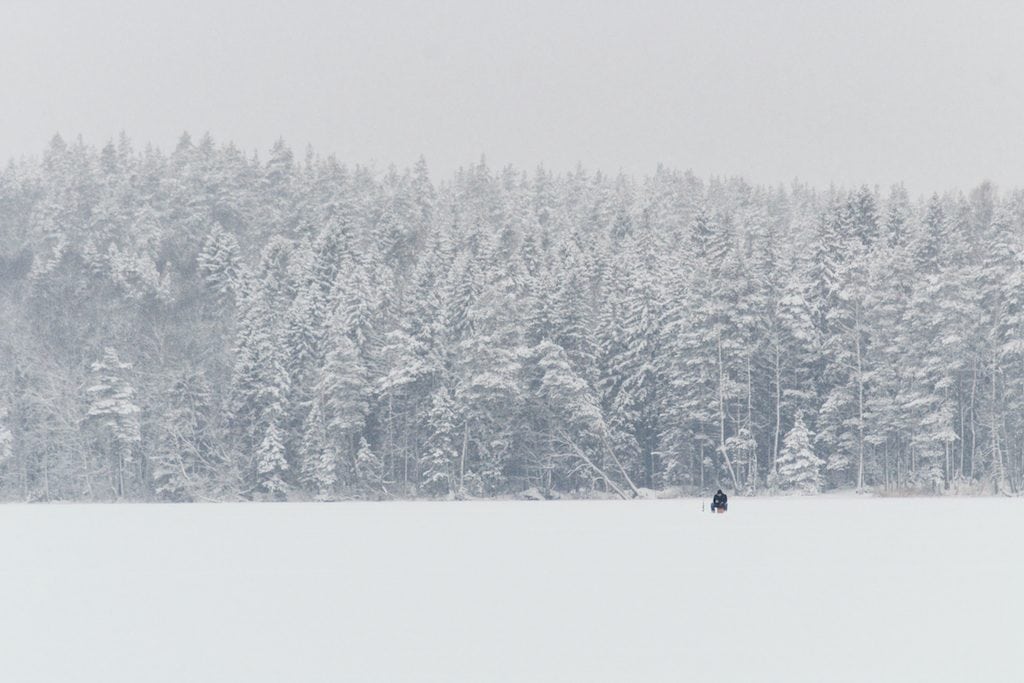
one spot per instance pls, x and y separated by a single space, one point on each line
720 503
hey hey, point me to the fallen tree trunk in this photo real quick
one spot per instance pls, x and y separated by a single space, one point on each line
593 466
615 459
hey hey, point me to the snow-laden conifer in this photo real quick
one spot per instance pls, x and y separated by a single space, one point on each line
114 413
270 462
798 468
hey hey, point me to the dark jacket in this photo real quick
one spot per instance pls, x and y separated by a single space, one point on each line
720 500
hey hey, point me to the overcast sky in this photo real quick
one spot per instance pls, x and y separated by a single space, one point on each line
931 93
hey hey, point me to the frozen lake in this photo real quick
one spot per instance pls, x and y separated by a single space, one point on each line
830 588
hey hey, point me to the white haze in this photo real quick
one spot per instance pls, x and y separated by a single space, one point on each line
928 93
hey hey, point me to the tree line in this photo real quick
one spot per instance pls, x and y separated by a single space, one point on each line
210 325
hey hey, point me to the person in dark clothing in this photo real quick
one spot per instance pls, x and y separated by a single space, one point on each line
720 503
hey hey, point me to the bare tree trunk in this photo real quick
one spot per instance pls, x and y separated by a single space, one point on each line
462 458
412 446
913 455
702 489
46 474
885 455
963 436
86 473
1006 449
947 451
390 454
974 432
23 462
721 416
118 483
997 453
778 411
899 454
947 447
752 473
860 411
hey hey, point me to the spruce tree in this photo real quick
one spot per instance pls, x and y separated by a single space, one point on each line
114 413
799 469
319 457
440 460
371 476
219 261
271 464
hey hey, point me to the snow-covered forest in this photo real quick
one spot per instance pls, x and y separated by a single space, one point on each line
207 324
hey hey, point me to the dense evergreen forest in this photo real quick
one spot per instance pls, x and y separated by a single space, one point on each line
212 325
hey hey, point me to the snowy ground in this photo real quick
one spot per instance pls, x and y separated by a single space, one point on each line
825 589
